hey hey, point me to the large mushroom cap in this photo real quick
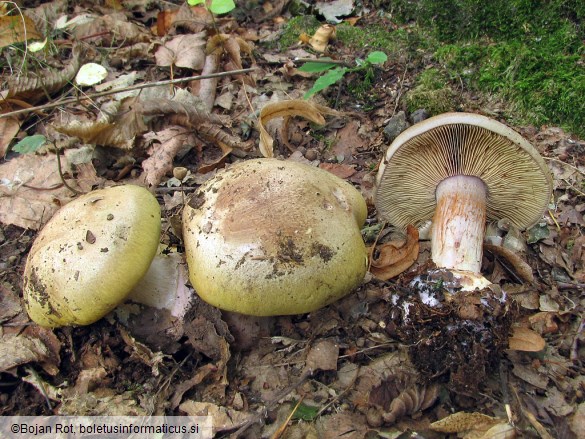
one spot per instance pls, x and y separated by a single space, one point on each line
268 237
88 257
517 180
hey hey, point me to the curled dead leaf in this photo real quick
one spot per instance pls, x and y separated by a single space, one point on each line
320 39
294 107
395 256
519 265
525 339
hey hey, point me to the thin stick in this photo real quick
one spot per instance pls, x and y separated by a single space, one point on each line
281 429
120 90
75 191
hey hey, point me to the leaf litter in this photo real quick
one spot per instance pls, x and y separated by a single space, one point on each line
352 364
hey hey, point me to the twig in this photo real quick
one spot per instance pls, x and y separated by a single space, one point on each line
278 433
130 88
164 190
338 397
75 191
399 95
575 345
576 169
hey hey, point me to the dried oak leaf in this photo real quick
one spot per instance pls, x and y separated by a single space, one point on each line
182 51
395 256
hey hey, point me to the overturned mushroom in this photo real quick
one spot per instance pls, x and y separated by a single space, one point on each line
268 237
459 169
88 257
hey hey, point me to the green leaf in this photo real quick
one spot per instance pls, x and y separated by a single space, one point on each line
329 78
377 58
222 6
306 412
313 67
195 2
30 144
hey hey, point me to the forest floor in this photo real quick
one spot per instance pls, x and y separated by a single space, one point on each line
347 370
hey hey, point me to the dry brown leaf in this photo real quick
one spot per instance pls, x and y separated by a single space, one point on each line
9 128
186 385
320 39
9 303
525 339
338 169
519 265
192 18
31 208
323 355
295 107
182 51
17 29
463 422
112 29
395 256
161 157
207 88
223 418
117 125
103 401
17 350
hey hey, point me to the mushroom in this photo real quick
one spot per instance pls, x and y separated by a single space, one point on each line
267 237
459 169
89 256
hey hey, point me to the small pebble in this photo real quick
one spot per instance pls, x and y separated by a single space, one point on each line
311 154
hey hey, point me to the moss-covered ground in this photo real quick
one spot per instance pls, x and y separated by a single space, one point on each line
530 54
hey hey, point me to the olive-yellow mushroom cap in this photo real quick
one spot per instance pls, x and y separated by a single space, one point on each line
268 237
88 257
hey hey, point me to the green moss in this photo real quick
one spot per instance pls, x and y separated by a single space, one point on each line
296 26
432 92
529 52
405 41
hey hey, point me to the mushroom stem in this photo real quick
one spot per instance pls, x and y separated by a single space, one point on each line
459 223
